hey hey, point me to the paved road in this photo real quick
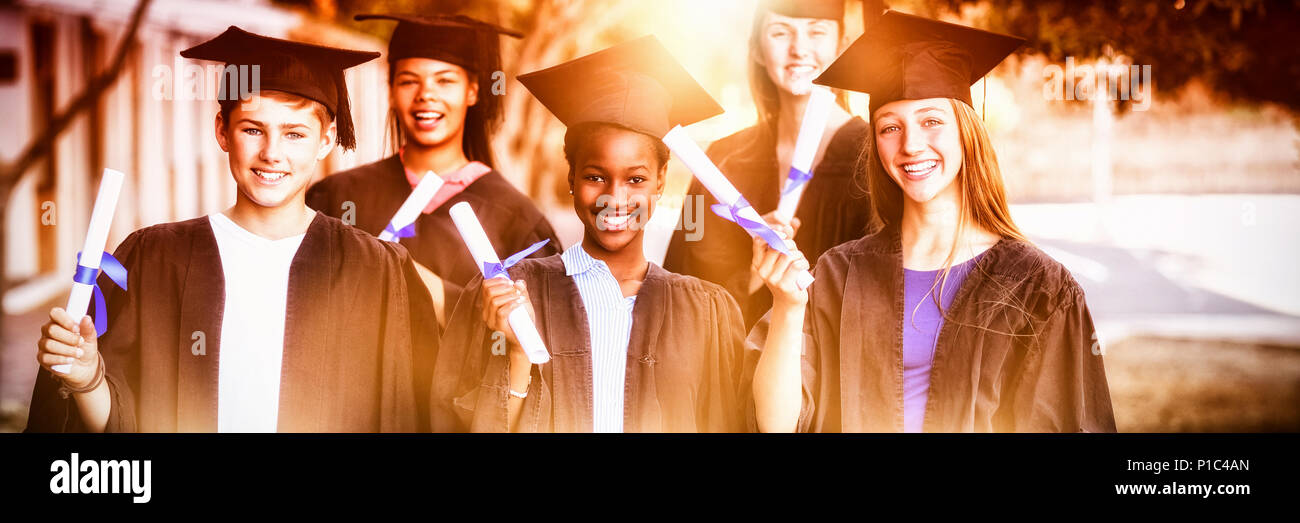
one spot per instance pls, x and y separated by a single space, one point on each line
1121 282
1129 295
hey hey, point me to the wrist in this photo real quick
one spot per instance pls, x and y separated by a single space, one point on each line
520 367
67 388
517 355
520 391
783 304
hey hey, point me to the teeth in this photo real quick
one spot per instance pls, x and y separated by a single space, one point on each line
919 167
802 72
270 175
426 115
616 220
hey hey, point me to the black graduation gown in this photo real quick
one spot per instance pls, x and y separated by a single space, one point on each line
834 209
358 341
377 189
683 359
1018 352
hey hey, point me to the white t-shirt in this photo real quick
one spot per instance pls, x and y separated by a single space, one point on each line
252 326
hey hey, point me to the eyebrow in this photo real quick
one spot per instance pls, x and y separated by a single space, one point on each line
282 126
602 168
918 111
417 75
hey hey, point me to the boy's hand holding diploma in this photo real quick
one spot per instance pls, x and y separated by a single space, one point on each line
64 341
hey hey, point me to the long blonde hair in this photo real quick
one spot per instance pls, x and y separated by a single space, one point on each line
767 101
982 194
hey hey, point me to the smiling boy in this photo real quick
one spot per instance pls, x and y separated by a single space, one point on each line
268 316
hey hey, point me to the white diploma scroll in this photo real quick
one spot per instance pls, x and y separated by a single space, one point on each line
811 130
699 163
414 204
471 231
101 217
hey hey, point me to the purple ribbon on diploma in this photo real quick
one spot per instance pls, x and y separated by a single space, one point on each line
760 229
88 276
797 177
404 232
492 270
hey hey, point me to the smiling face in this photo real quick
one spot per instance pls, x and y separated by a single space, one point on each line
273 141
431 98
795 50
919 144
617 176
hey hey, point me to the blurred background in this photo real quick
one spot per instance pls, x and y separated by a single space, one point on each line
1174 199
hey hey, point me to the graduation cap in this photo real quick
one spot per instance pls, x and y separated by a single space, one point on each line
636 84
828 9
907 57
456 39
310 71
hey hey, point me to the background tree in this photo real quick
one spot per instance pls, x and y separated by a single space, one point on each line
1244 49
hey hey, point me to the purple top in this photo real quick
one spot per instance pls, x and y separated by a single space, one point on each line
921 332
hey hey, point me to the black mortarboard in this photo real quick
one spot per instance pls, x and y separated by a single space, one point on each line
636 84
907 57
828 9
456 39
311 71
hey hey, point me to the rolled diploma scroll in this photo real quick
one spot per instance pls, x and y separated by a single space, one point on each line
101 217
722 190
414 204
471 231
811 129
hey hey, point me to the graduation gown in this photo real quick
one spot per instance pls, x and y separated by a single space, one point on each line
684 359
1016 353
358 346
834 209
377 189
